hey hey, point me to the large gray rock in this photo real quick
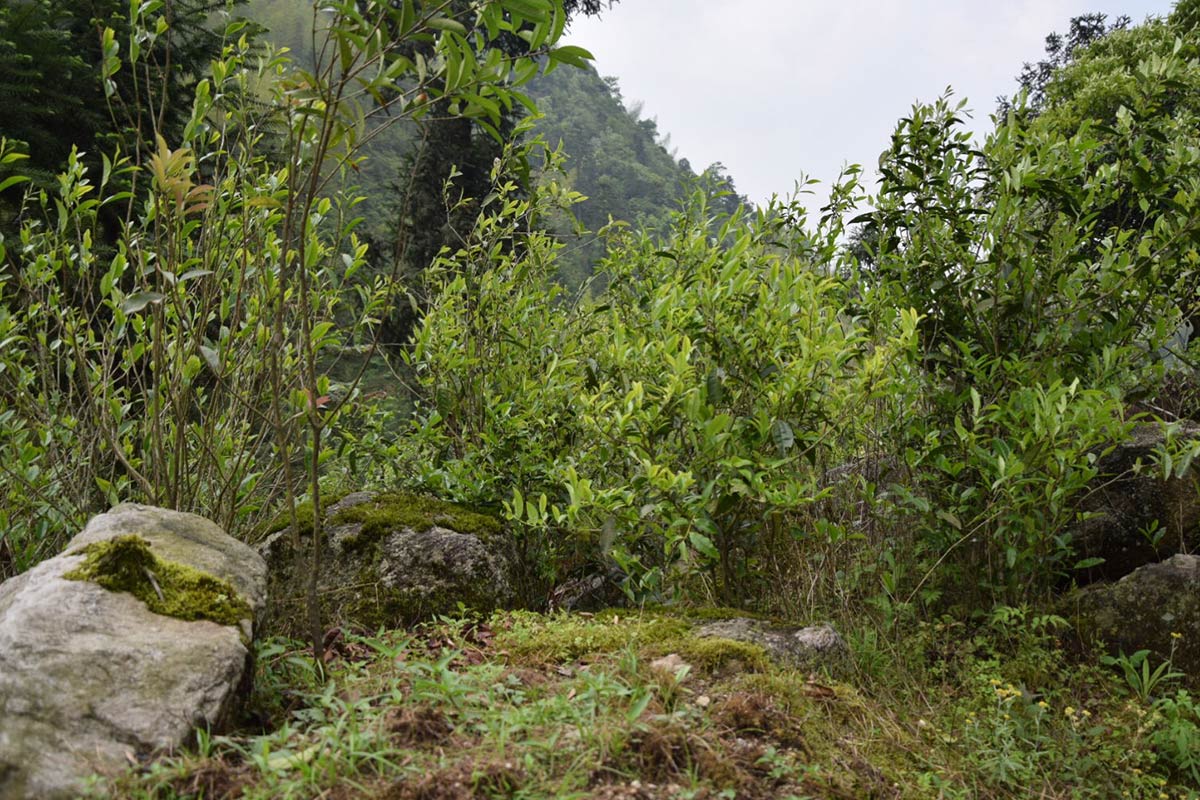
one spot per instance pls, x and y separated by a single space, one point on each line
91 677
1143 610
390 560
1124 504
807 647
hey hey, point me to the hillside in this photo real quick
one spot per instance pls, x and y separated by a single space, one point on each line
615 157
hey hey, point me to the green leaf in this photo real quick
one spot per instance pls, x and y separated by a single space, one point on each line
783 436
703 545
139 300
1088 563
716 389
447 24
639 705
573 55
12 180
211 358
530 9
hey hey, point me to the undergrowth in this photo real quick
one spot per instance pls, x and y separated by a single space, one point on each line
580 706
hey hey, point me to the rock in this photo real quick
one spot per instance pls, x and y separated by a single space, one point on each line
390 560
90 677
1142 611
787 645
671 665
1125 505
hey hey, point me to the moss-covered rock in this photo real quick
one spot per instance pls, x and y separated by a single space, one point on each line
788 645
1136 517
389 560
123 644
1155 608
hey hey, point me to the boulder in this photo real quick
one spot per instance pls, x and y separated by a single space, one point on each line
788 645
93 677
390 560
1124 505
1155 608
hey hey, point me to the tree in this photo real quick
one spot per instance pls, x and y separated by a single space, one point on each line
1060 52
1136 90
57 67
451 147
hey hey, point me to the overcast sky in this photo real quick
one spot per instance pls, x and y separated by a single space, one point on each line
776 88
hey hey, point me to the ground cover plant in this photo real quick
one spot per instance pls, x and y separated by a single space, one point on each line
568 706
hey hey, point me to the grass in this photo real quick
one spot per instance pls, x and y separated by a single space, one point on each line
581 706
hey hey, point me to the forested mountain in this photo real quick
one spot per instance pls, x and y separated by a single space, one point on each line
615 157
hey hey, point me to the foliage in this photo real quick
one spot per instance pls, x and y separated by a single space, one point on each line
683 418
1061 49
181 369
1143 680
1041 315
615 159
58 61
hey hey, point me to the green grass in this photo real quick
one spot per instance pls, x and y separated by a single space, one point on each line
572 706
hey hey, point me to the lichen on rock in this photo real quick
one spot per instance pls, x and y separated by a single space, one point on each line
128 564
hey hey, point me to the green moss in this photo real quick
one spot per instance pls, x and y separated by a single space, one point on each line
127 564
398 510
388 512
304 517
533 638
711 653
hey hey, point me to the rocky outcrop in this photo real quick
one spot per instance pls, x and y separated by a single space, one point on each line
1155 608
136 634
818 645
389 560
1125 505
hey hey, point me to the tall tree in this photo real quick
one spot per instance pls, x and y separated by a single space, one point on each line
1082 31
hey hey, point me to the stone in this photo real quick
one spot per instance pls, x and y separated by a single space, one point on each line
390 560
1155 608
793 646
1124 505
91 678
671 665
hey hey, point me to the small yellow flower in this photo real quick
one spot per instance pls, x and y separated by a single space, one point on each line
1043 704
1069 711
1176 635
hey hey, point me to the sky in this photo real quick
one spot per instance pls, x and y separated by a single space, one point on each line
776 89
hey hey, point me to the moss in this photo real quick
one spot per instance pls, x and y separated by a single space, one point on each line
304 517
127 564
388 512
398 510
712 653
533 638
